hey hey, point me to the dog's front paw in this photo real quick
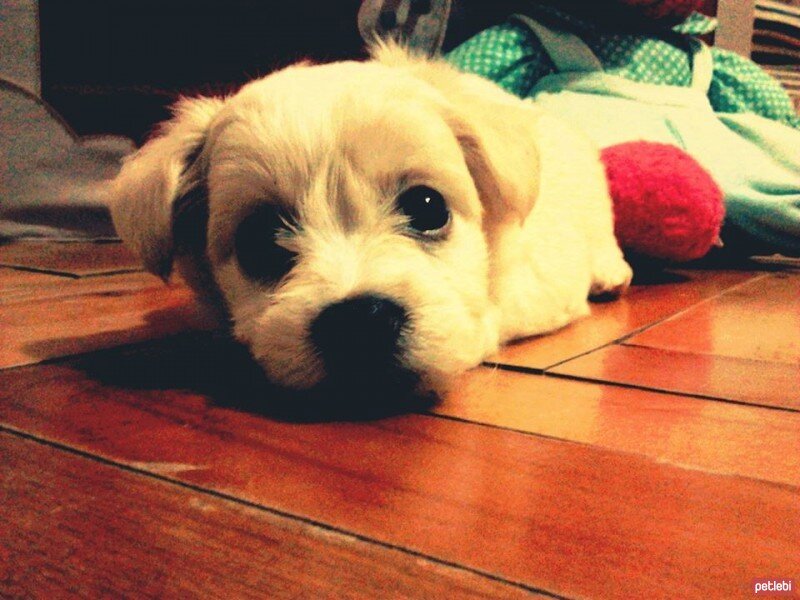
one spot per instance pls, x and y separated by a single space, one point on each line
611 277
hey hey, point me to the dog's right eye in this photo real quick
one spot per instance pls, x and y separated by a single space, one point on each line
425 208
257 249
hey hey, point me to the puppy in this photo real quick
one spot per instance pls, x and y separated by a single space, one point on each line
391 221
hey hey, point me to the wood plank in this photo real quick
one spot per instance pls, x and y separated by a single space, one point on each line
27 286
641 306
737 379
698 434
18 286
70 258
567 518
74 526
11 279
759 320
85 315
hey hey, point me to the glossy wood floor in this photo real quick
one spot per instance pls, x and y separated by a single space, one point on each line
651 450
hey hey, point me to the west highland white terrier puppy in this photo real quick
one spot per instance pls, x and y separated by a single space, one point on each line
389 222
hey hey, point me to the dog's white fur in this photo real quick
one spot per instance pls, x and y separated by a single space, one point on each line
531 233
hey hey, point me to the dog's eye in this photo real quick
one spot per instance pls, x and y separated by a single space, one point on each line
425 208
257 249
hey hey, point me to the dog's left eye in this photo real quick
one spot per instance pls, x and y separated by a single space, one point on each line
257 249
425 208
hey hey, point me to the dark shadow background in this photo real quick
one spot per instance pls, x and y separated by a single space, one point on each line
114 66
218 368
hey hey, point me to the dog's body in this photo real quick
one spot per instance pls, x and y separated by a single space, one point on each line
395 196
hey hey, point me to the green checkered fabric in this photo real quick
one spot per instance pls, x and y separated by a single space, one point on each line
740 85
513 57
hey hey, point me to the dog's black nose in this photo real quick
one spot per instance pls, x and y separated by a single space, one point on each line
358 333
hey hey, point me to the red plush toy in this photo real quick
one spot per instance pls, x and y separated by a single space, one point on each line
666 206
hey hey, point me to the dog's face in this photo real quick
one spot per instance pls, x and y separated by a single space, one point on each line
348 207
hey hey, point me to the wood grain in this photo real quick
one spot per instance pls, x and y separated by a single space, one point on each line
77 527
759 320
19 286
71 317
567 518
70 258
643 305
738 379
711 436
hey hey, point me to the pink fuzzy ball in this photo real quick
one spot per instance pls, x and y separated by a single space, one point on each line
666 205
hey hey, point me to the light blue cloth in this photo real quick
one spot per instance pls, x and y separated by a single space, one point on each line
754 160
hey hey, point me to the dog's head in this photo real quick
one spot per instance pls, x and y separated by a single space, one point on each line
345 212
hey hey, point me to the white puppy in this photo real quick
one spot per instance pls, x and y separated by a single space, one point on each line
392 221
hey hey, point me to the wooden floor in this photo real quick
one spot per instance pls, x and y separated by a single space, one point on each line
651 450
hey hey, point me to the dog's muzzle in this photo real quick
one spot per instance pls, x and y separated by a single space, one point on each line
360 336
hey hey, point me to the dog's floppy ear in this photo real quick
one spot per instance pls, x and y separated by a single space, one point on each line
498 142
497 132
162 181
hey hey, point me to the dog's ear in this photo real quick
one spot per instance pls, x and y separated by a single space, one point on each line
498 142
497 132
160 188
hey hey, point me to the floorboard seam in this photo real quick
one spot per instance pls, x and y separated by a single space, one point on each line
699 396
721 356
41 271
274 511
